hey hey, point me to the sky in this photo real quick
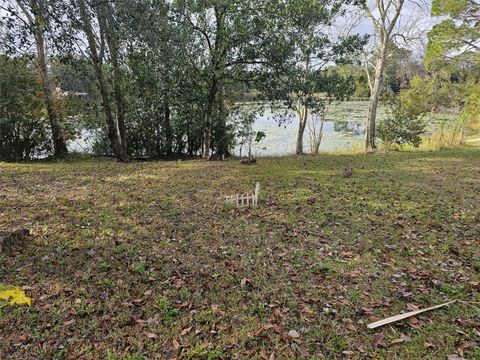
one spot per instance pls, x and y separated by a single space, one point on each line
415 17
415 22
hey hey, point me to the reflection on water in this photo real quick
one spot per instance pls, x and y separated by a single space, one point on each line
348 127
343 129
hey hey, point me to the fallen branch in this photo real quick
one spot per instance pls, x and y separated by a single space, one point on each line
399 317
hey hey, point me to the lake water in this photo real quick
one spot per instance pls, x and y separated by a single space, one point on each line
343 129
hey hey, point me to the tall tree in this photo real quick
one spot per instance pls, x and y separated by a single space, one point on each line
384 15
228 33
36 13
98 45
110 27
303 49
160 63
453 46
457 37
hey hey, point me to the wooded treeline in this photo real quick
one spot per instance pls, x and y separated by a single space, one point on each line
160 78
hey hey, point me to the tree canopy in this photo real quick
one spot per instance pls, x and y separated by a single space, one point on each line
152 79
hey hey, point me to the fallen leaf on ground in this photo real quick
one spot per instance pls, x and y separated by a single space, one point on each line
401 339
294 334
304 352
378 339
465 345
13 295
186 331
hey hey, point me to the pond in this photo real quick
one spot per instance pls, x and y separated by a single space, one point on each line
343 129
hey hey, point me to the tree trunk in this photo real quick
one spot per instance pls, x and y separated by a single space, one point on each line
375 98
302 123
206 143
158 140
221 126
217 61
179 144
59 145
97 61
110 30
302 110
207 134
167 128
384 23
122 136
318 140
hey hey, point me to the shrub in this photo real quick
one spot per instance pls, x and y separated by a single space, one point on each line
402 127
23 127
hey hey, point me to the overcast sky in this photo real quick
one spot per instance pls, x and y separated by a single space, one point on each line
415 18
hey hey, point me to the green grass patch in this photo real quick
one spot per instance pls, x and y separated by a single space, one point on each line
143 260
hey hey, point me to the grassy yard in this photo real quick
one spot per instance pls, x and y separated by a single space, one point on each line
144 261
